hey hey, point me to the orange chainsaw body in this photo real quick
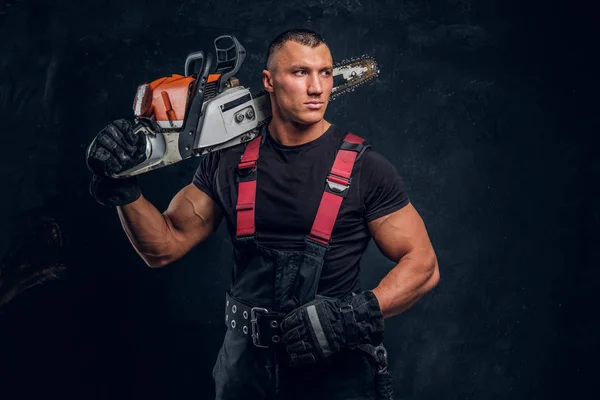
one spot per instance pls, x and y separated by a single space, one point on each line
165 100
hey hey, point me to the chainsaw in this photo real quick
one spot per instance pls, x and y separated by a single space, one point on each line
207 109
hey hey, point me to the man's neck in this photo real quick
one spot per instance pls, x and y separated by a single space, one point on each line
290 134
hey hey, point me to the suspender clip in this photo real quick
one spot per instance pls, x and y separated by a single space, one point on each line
338 185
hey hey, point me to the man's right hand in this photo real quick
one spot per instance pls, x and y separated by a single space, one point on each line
115 149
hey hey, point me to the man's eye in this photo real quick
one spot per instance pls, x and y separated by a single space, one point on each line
300 72
326 73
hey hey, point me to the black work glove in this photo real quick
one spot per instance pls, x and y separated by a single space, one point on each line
326 325
115 149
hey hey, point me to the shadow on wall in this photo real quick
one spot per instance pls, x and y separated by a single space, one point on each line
32 260
5 8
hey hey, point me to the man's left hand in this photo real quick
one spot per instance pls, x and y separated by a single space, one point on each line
326 325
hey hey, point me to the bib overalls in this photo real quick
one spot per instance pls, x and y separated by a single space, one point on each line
269 283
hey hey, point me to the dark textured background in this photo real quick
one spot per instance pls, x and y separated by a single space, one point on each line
485 108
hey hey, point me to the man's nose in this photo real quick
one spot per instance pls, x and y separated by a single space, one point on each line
314 85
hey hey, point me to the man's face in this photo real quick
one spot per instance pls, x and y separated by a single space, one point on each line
300 80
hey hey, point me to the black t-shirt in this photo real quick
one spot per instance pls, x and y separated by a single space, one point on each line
290 184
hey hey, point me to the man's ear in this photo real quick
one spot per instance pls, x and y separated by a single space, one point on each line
267 79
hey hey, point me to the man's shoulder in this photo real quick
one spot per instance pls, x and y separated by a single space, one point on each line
340 132
373 159
368 155
370 158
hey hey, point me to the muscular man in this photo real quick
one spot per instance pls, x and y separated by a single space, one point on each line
301 202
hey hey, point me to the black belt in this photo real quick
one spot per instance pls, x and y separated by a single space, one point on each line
258 323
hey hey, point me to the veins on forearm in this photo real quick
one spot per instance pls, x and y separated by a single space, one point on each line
146 228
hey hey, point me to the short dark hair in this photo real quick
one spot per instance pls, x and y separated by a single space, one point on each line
305 37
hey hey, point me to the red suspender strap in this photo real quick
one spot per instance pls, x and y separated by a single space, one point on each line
246 200
336 188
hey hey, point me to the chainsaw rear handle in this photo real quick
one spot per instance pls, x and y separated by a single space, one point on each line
195 60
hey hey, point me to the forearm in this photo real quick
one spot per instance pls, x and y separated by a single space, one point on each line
415 275
148 231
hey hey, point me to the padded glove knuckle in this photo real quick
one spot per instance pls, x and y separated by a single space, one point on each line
116 148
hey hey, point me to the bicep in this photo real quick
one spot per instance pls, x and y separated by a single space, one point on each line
400 233
192 216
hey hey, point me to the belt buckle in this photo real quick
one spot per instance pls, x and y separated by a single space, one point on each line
253 320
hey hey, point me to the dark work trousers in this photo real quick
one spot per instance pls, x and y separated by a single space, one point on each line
282 281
